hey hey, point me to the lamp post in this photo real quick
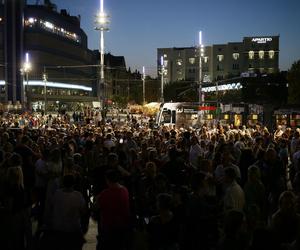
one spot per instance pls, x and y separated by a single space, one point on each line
144 79
26 69
102 25
45 90
162 79
201 54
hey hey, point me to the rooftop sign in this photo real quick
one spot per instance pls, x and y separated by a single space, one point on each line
261 39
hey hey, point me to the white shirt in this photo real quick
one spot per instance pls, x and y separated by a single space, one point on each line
234 197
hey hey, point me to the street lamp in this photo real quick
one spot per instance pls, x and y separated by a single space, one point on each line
162 79
102 25
144 79
27 67
201 54
45 90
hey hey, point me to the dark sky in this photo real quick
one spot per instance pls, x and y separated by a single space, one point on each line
139 27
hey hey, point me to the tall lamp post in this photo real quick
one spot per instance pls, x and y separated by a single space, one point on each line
45 89
162 79
26 70
102 25
201 54
144 79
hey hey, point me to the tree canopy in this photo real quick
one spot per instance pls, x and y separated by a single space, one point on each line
294 83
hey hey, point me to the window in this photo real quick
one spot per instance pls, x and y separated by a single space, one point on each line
220 58
251 54
179 62
165 63
261 54
192 60
205 59
219 67
235 66
165 55
235 56
271 54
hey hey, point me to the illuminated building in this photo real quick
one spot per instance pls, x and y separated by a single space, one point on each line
221 61
57 48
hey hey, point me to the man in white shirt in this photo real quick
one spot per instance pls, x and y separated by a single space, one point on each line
234 197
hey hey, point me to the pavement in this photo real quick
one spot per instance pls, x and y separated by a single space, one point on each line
91 236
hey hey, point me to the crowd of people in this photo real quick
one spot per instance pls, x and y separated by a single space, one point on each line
214 187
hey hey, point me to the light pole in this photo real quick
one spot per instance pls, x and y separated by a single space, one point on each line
102 25
26 69
162 79
144 79
201 54
45 90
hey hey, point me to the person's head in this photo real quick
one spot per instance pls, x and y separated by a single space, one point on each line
68 181
253 173
198 181
15 160
287 201
151 169
112 176
113 159
230 174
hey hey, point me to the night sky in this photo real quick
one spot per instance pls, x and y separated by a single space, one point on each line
139 27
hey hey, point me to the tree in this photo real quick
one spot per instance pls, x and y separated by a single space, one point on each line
294 83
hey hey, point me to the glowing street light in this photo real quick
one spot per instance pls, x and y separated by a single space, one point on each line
162 79
102 21
144 79
27 67
201 54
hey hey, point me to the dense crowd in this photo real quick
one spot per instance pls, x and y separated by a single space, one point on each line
218 187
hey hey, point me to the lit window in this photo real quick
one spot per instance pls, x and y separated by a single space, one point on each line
49 25
251 54
206 59
235 56
271 54
165 55
31 20
261 54
220 58
179 62
192 60
165 63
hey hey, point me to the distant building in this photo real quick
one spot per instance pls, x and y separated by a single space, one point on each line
52 40
220 61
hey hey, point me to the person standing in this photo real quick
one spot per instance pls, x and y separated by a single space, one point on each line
114 222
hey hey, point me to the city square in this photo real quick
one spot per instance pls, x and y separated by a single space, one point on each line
149 125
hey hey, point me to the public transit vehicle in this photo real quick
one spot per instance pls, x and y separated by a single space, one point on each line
178 114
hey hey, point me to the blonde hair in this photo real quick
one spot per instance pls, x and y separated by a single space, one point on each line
15 177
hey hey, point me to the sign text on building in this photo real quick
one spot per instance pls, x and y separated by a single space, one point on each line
261 39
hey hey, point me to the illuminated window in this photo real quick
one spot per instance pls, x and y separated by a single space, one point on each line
251 54
205 59
220 58
165 63
179 62
261 54
192 60
165 55
235 56
271 54
50 27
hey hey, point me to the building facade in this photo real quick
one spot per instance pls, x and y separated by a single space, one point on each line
220 61
63 69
